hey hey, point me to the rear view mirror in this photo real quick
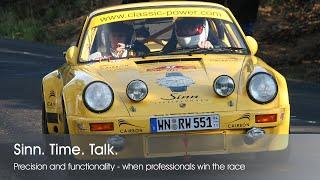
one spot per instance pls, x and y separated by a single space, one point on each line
71 55
253 45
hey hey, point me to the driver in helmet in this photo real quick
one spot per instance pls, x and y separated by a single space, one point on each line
190 33
116 41
122 43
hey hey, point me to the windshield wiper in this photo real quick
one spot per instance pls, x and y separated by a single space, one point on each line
197 51
155 53
109 58
233 48
185 51
217 50
206 51
213 50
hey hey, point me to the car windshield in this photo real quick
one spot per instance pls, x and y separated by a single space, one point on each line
161 36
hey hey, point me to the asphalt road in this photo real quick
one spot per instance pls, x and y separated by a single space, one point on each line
23 64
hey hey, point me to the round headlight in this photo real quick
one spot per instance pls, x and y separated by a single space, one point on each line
262 88
223 85
98 96
137 90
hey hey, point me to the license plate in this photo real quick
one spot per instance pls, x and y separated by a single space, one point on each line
184 123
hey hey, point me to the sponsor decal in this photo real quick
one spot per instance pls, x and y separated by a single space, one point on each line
143 13
176 81
239 125
124 122
52 94
133 128
171 68
245 116
235 124
51 104
52 99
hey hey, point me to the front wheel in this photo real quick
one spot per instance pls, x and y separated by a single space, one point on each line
44 120
64 120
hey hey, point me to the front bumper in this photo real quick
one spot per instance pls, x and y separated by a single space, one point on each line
141 143
238 120
173 145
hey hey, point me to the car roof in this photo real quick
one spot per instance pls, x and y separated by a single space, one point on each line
155 4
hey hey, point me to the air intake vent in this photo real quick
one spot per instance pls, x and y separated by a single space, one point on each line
167 60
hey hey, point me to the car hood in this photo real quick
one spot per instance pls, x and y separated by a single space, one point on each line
179 85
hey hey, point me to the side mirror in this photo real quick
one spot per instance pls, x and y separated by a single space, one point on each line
253 45
71 55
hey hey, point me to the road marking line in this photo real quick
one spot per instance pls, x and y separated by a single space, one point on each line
312 122
25 53
305 129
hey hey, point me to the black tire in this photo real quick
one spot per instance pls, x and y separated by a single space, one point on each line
64 118
44 120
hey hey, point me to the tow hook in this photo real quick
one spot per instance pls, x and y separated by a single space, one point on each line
253 135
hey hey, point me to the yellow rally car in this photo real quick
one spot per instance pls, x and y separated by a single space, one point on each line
167 79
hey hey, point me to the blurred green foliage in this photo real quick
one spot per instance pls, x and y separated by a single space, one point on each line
30 19
13 27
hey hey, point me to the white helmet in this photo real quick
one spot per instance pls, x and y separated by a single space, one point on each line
191 31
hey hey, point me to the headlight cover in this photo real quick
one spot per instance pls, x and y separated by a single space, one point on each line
98 96
262 88
137 90
223 85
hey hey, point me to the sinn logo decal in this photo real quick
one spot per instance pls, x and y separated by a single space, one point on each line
176 82
181 98
176 96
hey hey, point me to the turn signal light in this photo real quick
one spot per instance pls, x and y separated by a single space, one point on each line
266 118
101 126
